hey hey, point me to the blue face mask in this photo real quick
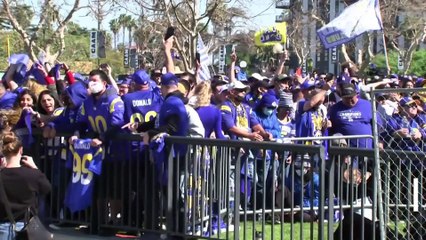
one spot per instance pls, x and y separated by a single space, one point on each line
267 111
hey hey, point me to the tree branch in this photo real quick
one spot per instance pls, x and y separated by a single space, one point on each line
183 25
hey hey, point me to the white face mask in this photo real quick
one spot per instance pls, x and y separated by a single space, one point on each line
96 87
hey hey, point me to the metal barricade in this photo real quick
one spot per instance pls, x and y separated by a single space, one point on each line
221 189
402 160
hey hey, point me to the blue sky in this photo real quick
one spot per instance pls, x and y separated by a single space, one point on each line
261 14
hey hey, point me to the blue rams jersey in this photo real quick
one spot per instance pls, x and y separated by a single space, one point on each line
100 115
141 106
85 161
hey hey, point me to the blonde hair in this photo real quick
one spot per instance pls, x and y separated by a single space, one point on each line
10 144
203 91
10 117
35 87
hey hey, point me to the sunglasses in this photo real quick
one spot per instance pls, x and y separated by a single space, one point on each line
241 90
271 108
411 106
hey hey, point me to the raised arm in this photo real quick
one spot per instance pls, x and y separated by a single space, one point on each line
232 67
281 66
168 45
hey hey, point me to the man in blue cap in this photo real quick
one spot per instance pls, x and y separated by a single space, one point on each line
172 120
140 106
265 113
311 114
124 85
143 104
405 130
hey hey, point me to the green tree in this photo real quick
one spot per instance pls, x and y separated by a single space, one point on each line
123 19
23 13
114 26
47 35
417 66
131 25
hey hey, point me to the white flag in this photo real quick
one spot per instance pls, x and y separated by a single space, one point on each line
356 19
204 72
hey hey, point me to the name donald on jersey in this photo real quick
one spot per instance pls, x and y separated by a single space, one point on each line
82 145
141 102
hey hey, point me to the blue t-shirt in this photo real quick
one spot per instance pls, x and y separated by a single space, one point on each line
211 118
310 123
240 116
288 130
356 120
269 123
85 161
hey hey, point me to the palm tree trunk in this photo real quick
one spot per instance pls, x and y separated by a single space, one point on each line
115 41
130 36
124 34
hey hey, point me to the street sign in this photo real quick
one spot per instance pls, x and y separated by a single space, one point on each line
222 59
333 54
400 63
101 44
133 56
126 61
93 44
283 4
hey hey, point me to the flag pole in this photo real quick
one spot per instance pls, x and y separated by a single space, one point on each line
386 52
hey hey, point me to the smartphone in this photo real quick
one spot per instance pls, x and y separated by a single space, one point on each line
197 57
170 32
21 162
103 66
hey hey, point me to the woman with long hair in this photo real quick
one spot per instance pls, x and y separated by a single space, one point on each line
23 184
29 117
48 107
210 115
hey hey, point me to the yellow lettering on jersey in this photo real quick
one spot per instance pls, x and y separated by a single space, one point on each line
112 105
80 172
98 124
138 117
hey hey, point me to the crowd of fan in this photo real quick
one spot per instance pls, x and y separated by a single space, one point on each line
238 107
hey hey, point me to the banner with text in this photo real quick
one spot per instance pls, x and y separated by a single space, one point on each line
272 35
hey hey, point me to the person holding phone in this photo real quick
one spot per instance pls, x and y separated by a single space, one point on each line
23 184
111 81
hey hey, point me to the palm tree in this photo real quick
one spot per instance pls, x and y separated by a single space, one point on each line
122 19
114 26
131 24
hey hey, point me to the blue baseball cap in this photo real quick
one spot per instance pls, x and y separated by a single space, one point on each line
169 79
141 77
268 100
406 101
79 77
345 78
125 81
307 84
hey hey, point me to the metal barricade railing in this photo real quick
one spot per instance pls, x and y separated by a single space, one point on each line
205 188
402 160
